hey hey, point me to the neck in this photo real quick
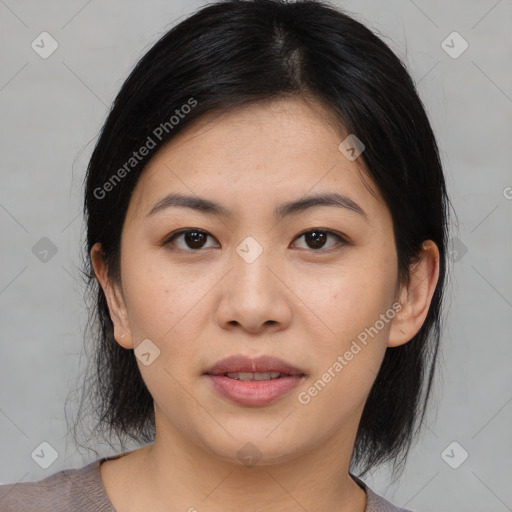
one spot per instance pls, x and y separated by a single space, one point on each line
175 470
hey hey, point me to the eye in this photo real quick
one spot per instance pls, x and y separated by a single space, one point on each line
316 238
193 238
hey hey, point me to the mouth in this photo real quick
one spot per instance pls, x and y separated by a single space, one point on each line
265 367
250 376
253 382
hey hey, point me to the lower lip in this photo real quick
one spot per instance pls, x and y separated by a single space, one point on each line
254 392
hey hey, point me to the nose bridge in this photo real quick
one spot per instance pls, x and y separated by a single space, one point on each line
253 296
251 260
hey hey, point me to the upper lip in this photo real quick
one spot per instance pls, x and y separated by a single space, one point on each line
263 364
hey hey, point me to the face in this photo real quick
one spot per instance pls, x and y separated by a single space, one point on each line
305 286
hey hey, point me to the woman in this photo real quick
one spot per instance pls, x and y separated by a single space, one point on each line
266 240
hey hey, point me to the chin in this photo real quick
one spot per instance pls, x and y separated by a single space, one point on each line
259 449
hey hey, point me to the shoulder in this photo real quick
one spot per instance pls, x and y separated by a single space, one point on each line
375 502
70 489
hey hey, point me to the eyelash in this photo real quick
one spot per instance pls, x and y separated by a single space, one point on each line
328 232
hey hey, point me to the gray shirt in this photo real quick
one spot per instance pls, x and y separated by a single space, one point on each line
81 489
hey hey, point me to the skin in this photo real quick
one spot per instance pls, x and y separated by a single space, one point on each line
300 303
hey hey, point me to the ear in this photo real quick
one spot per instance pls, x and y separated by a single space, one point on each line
416 296
114 296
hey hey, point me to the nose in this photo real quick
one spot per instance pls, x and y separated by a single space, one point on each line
254 296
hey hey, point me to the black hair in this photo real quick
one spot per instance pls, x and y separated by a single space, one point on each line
239 52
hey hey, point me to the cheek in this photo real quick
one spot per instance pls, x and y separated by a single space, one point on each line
157 296
353 315
348 356
172 309
160 303
149 304
347 301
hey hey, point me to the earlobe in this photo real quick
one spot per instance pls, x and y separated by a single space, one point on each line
113 295
416 297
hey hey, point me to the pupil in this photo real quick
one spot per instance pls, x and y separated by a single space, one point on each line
317 237
195 237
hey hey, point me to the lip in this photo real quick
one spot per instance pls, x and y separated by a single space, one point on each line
253 393
256 392
242 363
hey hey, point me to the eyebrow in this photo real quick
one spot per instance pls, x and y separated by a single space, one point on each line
291 208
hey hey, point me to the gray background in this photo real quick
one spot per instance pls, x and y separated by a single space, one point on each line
52 110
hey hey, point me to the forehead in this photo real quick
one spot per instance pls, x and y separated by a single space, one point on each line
257 156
